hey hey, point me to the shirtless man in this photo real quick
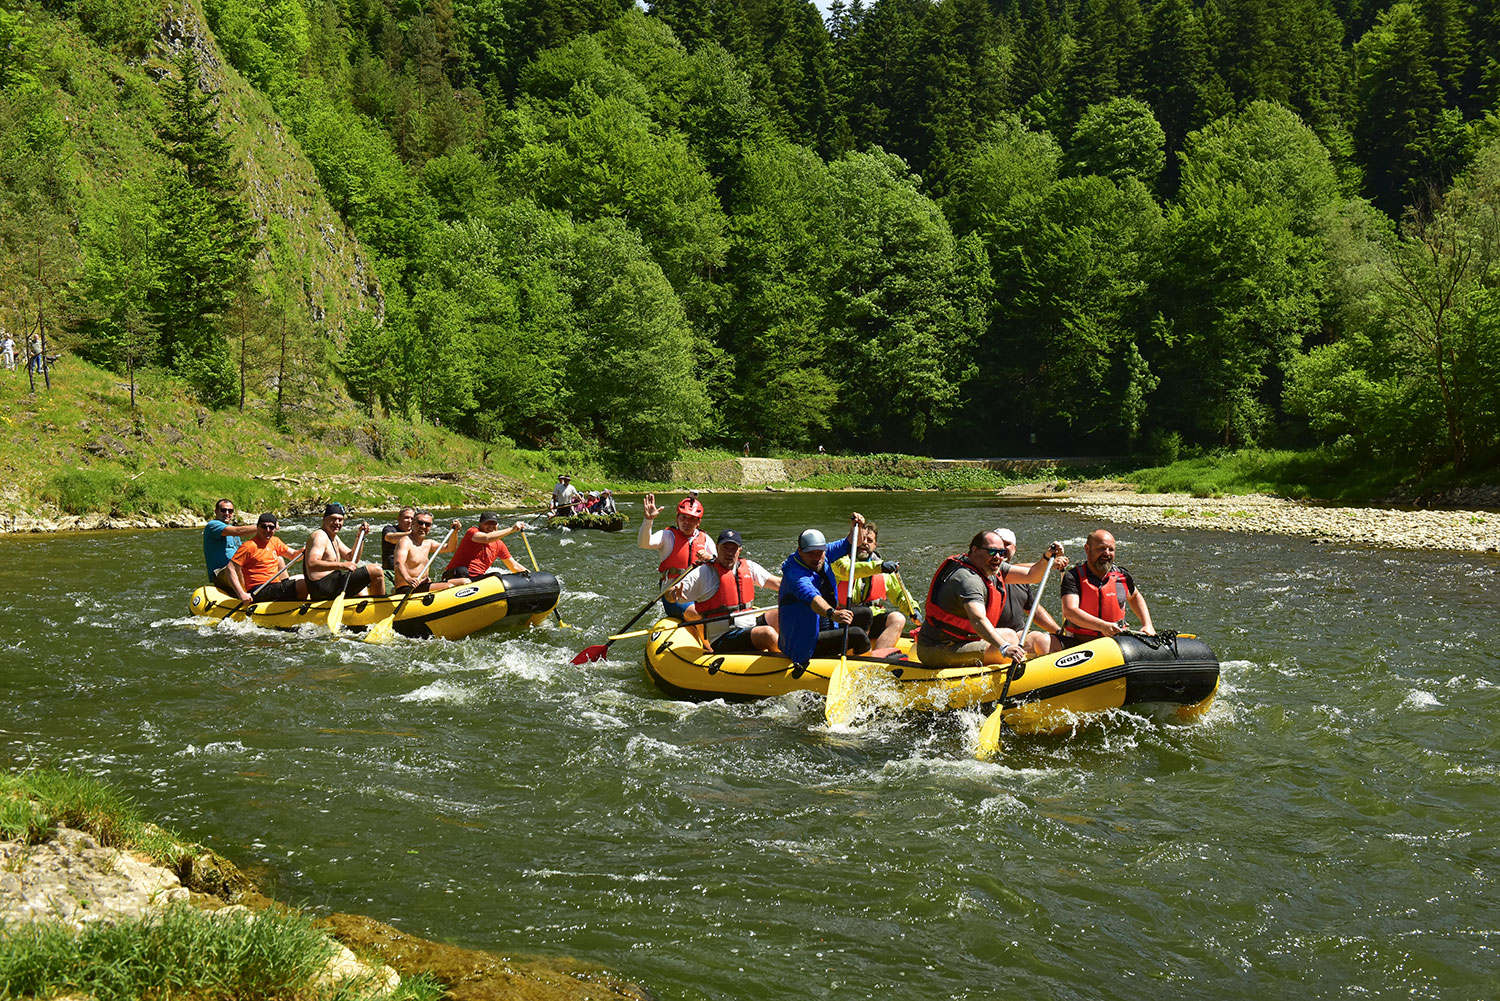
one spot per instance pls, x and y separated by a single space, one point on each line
415 551
330 563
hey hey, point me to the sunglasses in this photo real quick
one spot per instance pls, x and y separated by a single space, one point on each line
424 524
225 510
995 552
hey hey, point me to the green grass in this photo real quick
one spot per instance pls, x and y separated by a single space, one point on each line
1315 474
34 804
184 953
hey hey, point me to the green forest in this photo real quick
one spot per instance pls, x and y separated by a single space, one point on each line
952 227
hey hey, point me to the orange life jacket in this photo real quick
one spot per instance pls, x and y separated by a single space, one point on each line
1102 600
684 552
958 627
735 581
875 593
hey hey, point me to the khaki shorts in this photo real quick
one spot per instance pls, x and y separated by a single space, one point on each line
952 655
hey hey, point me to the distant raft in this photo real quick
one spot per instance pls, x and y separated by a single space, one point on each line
1049 695
453 613
603 522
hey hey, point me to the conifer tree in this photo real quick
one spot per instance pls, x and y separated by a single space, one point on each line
206 238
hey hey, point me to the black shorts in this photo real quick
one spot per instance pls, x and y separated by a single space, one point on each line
737 639
327 586
277 590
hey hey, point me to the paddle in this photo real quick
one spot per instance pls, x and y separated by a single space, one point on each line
242 605
384 629
600 650
989 734
693 622
538 569
838 706
336 607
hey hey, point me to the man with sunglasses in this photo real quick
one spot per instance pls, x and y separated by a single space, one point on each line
1046 635
258 562
415 550
966 601
221 537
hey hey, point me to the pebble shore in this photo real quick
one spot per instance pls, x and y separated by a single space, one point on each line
1465 530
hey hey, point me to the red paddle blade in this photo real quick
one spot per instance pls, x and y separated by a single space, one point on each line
589 654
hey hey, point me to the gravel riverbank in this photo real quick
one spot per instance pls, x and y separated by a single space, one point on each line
1457 530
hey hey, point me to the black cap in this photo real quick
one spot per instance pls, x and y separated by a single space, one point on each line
333 507
266 518
485 516
730 535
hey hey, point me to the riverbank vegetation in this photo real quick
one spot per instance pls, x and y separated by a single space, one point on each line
959 228
180 952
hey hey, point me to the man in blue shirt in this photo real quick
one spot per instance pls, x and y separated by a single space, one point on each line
221 537
811 623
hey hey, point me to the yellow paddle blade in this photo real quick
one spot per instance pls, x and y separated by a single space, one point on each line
842 701
336 614
382 631
989 736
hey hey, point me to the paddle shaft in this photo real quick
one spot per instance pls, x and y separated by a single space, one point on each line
1010 672
537 569
693 622
837 700
595 652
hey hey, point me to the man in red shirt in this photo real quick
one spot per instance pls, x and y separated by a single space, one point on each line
481 547
261 558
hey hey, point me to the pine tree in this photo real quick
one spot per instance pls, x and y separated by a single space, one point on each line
206 238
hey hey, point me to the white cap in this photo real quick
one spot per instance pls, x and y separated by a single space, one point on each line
810 540
1006 535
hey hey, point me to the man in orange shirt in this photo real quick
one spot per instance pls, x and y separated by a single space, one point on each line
481 547
261 558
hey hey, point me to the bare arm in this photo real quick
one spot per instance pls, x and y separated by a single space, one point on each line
1138 603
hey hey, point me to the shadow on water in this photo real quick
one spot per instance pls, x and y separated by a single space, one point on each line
1322 830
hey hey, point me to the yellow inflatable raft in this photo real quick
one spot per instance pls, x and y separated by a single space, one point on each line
1049 694
452 613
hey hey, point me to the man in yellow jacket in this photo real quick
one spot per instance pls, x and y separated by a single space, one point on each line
877 583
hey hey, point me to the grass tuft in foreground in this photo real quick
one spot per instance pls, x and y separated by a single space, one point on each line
34 804
185 953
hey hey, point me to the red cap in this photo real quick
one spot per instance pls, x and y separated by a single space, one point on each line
690 506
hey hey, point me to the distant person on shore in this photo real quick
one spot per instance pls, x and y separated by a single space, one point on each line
390 537
747 450
812 624
966 601
35 362
414 551
564 495
330 564
221 537
681 545
259 561
876 586
8 347
728 585
1096 593
1044 636
481 549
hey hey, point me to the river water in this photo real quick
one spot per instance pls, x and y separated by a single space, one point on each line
1328 830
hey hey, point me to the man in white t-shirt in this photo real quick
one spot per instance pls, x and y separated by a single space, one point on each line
8 348
564 495
722 587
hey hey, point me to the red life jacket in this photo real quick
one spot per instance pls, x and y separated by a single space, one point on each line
737 581
1108 600
684 552
958 627
875 593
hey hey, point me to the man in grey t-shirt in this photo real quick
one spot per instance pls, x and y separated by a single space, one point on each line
964 604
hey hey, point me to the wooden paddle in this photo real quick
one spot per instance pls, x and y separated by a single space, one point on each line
600 650
336 607
538 569
838 707
385 629
248 601
989 734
